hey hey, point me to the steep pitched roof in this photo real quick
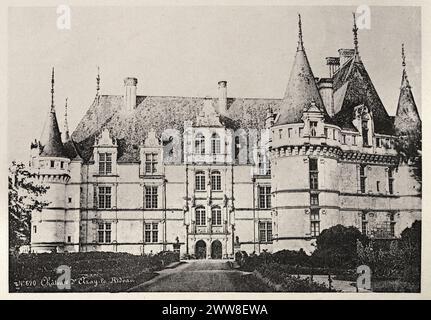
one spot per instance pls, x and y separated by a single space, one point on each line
301 89
159 113
407 118
50 141
352 87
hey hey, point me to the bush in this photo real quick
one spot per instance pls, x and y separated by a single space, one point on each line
336 247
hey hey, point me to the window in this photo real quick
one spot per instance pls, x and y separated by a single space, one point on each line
151 162
365 132
34 229
391 180
215 144
392 224
151 232
216 216
343 139
354 140
200 144
151 197
62 165
314 173
200 217
289 132
300 131
216 181
104 197
280 131
325 131
200 181
265 231
69 239
378 142
314 199
105 163
237 147
378 186
334 134
364 223
264 197
313 128
315 222
69 200
362 178
52 163
104 232
264 164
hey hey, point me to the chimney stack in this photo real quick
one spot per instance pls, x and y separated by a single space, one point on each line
345 55
333 63
130 93
222 97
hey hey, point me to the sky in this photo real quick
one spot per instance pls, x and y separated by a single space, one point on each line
185 51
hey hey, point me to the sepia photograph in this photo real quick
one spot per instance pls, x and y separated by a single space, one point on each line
187 149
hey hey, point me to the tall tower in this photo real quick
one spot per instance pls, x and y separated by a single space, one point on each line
51 165
302 162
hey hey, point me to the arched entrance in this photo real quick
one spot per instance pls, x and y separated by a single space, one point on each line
216 250
201 250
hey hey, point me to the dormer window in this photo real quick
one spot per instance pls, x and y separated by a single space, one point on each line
105 163
313 128
150 163
365 133
215 144
200 143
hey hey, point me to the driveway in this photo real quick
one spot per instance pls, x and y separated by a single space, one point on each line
203 276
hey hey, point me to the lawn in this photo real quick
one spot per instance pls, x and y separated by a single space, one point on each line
89 271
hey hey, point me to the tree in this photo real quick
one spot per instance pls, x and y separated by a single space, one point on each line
336 247
409 148
24 194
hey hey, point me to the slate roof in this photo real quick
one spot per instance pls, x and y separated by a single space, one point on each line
50 141
352 87
158 113
301 90
407 118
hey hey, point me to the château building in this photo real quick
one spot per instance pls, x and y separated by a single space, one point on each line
210 176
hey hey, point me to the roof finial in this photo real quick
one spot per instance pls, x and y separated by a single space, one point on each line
355 37
66 126
98 81
403 56
52 90
300 42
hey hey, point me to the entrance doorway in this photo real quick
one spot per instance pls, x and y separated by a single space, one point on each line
216 250
201 250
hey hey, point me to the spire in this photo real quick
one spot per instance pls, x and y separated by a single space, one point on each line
355 38
407 118
66 126
300 41
301 89
50 141
98 81
52 91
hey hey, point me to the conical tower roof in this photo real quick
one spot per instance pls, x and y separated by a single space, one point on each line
50 141
301 89
407 118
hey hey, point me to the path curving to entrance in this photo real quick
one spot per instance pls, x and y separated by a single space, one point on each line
203 276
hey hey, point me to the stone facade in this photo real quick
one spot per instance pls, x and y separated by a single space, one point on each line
211 185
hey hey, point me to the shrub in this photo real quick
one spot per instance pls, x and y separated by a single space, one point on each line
336 247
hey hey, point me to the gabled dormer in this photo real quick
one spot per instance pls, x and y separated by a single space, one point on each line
151 155
313 118
105 154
